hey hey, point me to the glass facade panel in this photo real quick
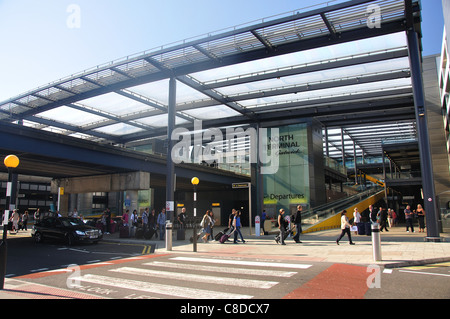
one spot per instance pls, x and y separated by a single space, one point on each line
290 184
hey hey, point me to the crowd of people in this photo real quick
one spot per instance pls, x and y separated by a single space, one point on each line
150 221
17 221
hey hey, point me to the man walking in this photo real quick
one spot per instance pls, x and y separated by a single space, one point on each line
296 219
409 219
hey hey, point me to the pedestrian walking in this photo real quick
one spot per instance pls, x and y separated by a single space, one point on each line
182 218
282 225
390 217
345 228
421 217
15 221
25 217
161 221
356 219
108 221
124 218
206 225
145 220
231 218
237 227
263 219
296 219
409 219
372 214
37 215
152 222
383 219
394 218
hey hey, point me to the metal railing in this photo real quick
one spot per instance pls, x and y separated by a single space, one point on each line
319 213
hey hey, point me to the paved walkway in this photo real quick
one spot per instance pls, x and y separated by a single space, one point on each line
397 247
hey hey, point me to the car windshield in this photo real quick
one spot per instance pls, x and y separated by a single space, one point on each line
71 222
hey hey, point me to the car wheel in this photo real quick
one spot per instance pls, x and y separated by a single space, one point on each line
38 238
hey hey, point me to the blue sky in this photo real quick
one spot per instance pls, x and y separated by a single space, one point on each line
38 47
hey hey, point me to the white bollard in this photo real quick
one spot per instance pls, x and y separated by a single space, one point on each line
376 242
168 236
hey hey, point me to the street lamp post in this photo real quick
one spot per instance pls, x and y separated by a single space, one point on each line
194 182
11 162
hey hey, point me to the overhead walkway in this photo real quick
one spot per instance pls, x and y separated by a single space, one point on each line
328 216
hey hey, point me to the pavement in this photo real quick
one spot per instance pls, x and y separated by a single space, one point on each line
398 248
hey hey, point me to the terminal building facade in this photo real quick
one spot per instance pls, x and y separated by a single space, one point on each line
323 103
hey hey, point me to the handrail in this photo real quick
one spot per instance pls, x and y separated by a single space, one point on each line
321 212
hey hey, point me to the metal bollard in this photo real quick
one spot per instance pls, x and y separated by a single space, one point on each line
376 242
168 236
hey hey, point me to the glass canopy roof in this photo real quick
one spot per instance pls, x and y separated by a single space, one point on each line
325 63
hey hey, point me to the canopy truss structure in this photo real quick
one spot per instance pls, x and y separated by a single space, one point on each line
345 64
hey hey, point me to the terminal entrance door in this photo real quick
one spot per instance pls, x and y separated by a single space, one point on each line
217 215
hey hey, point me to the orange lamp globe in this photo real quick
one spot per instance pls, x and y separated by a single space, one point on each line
11 161
195 181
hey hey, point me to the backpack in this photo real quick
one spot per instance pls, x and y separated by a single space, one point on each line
205 221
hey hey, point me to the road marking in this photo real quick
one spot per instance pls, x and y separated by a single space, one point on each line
238 282
146 250
243 262
227 270
38 270
424 273
339 281
175 291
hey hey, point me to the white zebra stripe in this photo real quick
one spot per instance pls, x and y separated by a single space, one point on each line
242 262
160 289
226 270
238 282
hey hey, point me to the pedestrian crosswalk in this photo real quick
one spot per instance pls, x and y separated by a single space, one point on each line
194 277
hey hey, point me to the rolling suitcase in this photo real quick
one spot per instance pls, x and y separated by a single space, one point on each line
368 228
149 233
286 234
132 231
225 236
124 232
220 234
139 233
361 229
181 234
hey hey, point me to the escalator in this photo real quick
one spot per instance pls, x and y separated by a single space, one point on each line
328 216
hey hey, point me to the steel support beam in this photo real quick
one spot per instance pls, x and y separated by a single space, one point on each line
429 197
170 171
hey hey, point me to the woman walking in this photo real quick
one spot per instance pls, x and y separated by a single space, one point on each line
345 227
421 216
206 224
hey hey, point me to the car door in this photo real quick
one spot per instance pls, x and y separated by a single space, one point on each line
59 230
47 227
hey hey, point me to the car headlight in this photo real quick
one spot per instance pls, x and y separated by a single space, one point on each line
80 233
